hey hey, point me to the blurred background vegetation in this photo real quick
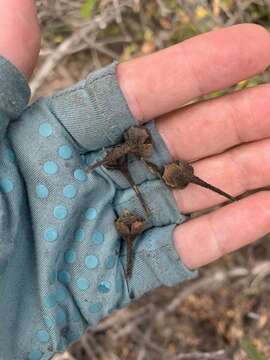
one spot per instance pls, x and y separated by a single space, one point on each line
225 314
95 32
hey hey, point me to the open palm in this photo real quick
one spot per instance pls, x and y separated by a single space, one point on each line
227 138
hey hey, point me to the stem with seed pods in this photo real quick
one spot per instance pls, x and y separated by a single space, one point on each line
129 226
179 174
121 165
112 156
137 141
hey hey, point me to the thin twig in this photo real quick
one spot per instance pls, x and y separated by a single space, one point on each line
137 334
129 328
217 355
144 340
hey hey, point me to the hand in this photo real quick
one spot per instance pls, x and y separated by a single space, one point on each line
208 129
19 34
76 276
205 132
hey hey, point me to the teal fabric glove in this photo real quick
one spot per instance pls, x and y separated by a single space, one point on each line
62 263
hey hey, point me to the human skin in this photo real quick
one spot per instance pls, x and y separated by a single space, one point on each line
19 34
227 138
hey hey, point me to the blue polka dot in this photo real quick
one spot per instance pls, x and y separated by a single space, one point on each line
50 234
104 287
9 155
64 277
35 354
42 191
91 214
49 322
97 238
110 262
60 294
95 308
50 301
43 336
60 212
79 235
53 277
50 167
61 317
80 175
70 256
45 129
70 191
83 284
65 152
91 262
6 185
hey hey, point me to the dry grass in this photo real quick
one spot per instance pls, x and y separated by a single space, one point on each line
208 317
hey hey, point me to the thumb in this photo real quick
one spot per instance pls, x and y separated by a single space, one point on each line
19 34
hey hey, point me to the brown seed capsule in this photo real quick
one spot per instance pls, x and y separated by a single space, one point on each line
138 141
180 173
129 226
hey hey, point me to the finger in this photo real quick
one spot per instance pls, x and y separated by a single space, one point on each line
163 81
236 171
209 237
212 126
19 34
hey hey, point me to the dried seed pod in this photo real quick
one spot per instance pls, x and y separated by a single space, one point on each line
112 156
138 141
180 173
129 226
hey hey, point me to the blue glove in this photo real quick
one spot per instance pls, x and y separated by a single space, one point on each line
62 262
